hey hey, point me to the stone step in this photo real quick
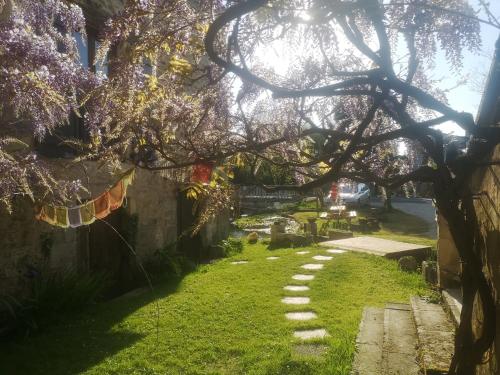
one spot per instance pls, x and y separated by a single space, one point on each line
399 348
435 336
368 358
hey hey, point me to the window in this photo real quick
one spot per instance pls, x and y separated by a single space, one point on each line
83 49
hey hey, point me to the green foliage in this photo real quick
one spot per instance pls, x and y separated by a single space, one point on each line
231 246
52 297
170 262
66 292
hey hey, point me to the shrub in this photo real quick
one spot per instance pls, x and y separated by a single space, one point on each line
52 296
170 261
231 246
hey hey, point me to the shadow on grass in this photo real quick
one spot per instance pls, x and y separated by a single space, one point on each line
79 342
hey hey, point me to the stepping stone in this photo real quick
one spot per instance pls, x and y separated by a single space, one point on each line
296 300
322 257
301 315
312 266
296 288
303 277
240 262
310 334
272 258
302 252
435 333
310 350
335 251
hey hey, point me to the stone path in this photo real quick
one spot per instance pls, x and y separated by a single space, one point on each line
312 266
307 348
311 349
304 315
296 288
301 277
296 300
309 334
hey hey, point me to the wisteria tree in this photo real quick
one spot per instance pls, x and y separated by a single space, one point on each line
357 75
40 81
354 84
159 106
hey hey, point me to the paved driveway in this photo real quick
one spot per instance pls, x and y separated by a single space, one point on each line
421 207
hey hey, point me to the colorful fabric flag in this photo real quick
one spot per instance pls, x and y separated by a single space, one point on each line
48 214
61 217
87 213
101 206
74 217
116 195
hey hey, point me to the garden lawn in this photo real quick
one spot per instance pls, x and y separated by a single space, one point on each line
221 319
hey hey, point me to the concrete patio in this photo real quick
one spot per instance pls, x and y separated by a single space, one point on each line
379 246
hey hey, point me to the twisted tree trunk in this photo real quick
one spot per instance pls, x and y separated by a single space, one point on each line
458 209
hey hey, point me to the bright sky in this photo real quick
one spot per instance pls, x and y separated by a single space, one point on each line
467 97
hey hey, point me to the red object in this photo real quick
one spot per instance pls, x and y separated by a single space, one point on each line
334 192
202 173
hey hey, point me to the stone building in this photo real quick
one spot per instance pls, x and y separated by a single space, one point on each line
156 211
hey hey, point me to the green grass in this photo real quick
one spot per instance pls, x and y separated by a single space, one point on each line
220 319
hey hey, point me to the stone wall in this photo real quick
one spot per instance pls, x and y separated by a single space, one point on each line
486 185
148 221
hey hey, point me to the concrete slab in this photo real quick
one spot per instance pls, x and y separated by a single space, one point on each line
368 357
322 257
379 246
310 350
436 335
310 334
272 258
312 266
240 262
399 352
301 315
335 251
302 252
295 300
303 277
296 288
